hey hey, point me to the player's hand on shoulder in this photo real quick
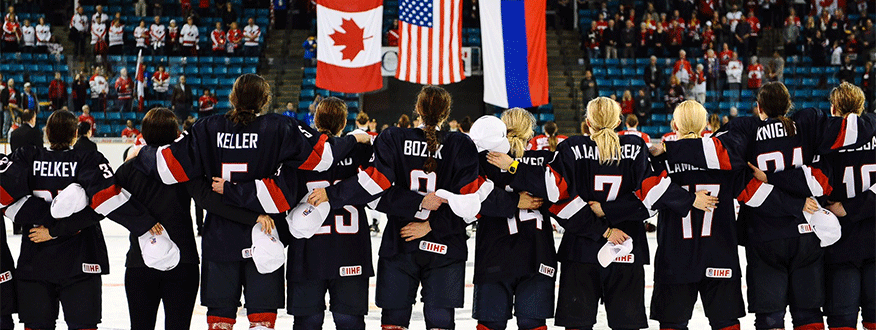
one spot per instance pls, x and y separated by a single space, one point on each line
528 202
500 160
415 230
218 185
40 234
758 174
135 150
657 149
705 202
363 138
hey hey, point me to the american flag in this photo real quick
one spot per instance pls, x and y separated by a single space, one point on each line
430 51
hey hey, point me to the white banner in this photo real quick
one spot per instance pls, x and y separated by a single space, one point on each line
389 59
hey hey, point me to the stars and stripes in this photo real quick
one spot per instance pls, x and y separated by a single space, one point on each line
430 51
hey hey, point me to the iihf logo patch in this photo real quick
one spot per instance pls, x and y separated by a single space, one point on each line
247 253
5 276
719 272
433 247
90 268
547 270
351 271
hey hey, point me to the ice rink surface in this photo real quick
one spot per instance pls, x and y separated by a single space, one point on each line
115 306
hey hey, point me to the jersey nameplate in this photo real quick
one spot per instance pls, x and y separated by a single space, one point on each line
90 268
627 259
237 140
420 149
351 271
627 151
804 228
54 169
433 247
547 270
247 253
5 276
719 272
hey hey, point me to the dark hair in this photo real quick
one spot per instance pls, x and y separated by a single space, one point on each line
84 128
362 118
404 121
550 128
433 106
61 128
159 127
248 97
27 115
188 123
465 124
775 101
331 116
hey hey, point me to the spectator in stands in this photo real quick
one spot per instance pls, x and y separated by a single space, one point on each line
206 104
228 15
79 31
547 141
817 48
234 38
713 71
742 35
632 123
464 125
791 35
627 103
776 67
140 8
28 99
659 41
589 89
28 37
372 127
217 38
156 7
392 35
116 35
85 131
610 37
653 76
452 125
43 36
674 94
157 33
754 23
836 54
188 37
79 91
734 73
682 69
99 89
645 41
98 36
57 92
643 106
868 36
593 40
27 134
290 110
11 32
836 29
698 81
181 100
310 51
847 71
628 40
251 34
9 101
674 37
868 82
124 91
160 83
404 121
755 74
172 47
86 117
141 37
98 13
130 132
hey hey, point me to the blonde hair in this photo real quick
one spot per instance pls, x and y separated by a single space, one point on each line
714 122
847 98
520 129
603 116
689 118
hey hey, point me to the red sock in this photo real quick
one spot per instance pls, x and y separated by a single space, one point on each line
266 320
732 327
869 325
482 327
220 323
842 328
392 327
811 326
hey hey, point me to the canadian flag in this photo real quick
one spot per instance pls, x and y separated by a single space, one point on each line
349 35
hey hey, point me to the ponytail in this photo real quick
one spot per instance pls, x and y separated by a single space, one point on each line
330 116
519 123
433 106
774 100
689 119
603 116
550 128
249 96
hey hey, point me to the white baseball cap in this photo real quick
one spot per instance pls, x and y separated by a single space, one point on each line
466 206
825 225
70 200
610 251
159 252
268 252
489 133
305 219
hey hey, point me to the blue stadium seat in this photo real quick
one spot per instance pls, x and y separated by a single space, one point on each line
833 81
640 71
191 70
637 82
251 60
614 72
747 94
104 130
627 71
597 62
223 105
643 61
307 94
235 70
597 71
612 62
210 82
130 115
113 116
98 115
546 117
724 106
206 70
220 70
235 60
817 71
304 105
803 93
831 69
803 70
352 115
824 105
250 69
310 72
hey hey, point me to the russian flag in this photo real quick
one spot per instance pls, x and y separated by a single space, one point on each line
515 53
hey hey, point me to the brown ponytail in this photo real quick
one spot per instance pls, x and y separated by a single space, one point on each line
61 128
774 101
433 106
330 116
550 128
249 96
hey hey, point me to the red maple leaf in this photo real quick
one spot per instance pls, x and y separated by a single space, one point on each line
351 39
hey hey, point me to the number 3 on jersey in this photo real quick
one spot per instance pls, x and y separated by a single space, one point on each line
687 226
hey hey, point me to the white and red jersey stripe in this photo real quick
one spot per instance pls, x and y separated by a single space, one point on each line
116 35
156 35
430 50
755 193
848 134
109 199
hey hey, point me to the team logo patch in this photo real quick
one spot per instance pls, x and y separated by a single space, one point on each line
247 253
627 259
351 271
719 272
547 270
5 276
90 268
804 228
433 247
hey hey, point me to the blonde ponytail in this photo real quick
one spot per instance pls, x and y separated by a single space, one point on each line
520 129
603 116
689 118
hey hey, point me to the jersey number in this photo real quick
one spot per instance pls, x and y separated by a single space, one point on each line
687 226
849 178
341 226
423 183
778 160
228 168
614 184
525 215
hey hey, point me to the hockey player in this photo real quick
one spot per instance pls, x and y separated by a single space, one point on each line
512 223
548 140
242 146
632 123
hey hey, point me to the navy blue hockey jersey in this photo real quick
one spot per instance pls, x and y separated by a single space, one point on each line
854 177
